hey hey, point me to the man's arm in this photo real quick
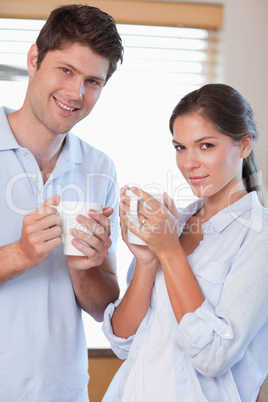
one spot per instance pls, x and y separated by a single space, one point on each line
96 287
94 276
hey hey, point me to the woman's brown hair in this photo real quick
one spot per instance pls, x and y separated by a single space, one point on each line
230 114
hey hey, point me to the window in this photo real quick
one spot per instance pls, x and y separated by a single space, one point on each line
130 120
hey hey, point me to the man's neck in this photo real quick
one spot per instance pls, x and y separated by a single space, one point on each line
43 144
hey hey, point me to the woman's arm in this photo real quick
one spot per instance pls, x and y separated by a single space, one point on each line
161 234
134 306
135 303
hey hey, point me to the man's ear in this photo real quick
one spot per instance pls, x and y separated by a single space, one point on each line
32 59
246 146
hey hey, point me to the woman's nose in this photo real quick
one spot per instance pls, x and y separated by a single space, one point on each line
191 160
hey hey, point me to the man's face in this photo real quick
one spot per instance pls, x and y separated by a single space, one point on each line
66 86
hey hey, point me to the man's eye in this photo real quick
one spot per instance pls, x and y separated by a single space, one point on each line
94 82
65 70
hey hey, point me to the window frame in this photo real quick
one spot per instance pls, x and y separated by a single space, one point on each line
137 12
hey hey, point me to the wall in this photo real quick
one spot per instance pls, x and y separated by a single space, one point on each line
246 61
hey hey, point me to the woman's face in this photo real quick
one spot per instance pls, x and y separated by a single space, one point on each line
210 161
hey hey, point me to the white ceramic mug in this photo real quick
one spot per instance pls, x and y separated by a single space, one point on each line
68 211
133 214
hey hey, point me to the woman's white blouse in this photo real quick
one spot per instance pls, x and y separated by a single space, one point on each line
219 352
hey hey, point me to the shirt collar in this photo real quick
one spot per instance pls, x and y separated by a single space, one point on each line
7 139
71 150
231 213
223 218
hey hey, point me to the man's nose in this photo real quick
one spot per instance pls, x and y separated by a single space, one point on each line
75 89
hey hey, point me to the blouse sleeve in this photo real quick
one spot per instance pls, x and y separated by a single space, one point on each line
120 346
215 338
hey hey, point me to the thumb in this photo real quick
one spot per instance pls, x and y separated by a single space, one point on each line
108 211
53 200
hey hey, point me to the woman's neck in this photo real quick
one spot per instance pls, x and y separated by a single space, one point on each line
217 203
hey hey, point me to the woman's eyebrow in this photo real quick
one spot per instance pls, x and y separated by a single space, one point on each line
206 138
197 141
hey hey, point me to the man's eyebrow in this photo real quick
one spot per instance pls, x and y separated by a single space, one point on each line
93 77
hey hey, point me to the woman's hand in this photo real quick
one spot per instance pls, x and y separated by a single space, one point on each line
160 227
142 253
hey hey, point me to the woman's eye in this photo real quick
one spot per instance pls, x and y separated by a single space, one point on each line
179 148
206 146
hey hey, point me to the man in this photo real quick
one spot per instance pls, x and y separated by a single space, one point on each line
43 355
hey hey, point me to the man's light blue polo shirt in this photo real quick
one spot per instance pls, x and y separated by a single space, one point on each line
43 353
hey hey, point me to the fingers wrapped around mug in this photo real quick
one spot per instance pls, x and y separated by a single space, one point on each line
137 207
94 241
150 219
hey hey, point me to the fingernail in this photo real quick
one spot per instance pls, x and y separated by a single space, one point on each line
80 218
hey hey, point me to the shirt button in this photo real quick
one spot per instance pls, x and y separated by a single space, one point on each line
227 334
22 152
207 228
180 368
34 178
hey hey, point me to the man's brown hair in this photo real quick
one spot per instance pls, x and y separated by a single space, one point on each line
86 25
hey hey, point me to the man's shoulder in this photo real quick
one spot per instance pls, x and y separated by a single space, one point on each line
89 152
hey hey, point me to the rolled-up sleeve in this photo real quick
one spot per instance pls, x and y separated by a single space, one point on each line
120 346
199 333
201 328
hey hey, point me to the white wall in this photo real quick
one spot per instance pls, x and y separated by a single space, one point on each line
245 37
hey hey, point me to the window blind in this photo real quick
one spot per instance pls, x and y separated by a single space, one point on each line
186 57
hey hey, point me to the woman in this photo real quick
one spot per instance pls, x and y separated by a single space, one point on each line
193 323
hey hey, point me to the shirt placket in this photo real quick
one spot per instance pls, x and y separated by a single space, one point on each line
207 230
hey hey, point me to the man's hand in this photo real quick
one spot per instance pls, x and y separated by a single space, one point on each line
41 233
96 244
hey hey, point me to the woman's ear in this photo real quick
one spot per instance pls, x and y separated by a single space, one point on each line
32 59
246 146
